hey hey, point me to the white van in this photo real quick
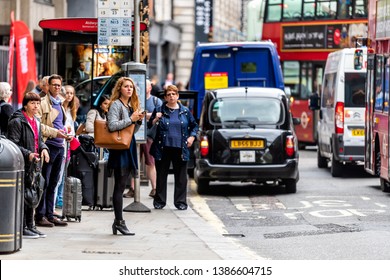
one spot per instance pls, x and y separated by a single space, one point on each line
342 110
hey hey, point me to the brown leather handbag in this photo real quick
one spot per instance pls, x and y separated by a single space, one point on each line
116 140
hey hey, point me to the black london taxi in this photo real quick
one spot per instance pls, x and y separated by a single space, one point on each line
247 135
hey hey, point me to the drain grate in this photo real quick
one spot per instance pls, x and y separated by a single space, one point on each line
101 252
322 229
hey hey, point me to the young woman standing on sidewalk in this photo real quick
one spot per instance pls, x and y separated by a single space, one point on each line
124 111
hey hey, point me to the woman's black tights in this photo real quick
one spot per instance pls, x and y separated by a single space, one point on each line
117 198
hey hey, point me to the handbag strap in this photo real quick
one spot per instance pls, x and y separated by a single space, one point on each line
155 102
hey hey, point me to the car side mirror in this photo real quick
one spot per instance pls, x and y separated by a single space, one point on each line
296 121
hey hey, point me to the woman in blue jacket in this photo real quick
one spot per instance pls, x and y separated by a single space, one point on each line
176 132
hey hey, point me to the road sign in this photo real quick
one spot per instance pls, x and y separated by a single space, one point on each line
114 22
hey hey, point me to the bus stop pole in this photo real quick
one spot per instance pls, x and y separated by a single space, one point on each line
137 206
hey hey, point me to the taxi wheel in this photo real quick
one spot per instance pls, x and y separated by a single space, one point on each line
291 185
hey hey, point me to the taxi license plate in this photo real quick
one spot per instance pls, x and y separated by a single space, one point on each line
246 144
357 132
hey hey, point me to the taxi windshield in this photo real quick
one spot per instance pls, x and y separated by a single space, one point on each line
246 111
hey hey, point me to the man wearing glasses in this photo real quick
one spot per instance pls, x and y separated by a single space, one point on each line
53 118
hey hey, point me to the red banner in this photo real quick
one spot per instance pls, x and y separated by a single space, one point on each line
25 57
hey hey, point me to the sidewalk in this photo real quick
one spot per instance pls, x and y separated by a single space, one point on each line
167 234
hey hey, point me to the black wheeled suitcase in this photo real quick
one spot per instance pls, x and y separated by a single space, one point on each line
105 186
83 166
72 198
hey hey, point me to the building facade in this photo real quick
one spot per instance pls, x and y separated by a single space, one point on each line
31 12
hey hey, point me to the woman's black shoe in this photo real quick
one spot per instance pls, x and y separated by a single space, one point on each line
181 207
158 206
121 226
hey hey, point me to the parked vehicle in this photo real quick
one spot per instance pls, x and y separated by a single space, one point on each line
247 135
342 110
87 90
230 64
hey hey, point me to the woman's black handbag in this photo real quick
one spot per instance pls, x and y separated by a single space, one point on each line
34 185
151 133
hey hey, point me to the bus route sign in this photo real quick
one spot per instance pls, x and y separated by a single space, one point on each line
114 22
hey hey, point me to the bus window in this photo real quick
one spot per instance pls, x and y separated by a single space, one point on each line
360 9
344 9
308 9
317 83
386 103
300 86
291 77
378 84
274 10
293 8
327 8
306 80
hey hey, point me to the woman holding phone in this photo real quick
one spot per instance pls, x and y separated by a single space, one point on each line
124 111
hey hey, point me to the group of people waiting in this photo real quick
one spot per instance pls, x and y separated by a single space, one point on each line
43 126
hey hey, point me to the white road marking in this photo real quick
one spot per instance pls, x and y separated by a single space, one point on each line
380 205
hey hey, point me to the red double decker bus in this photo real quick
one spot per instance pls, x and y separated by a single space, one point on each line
305 32
377 152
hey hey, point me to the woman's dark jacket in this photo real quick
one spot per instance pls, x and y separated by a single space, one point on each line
189 127
6 111
21 133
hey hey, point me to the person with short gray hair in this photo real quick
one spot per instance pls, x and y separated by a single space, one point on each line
6 110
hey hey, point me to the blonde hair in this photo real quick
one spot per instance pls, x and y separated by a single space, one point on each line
116 93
